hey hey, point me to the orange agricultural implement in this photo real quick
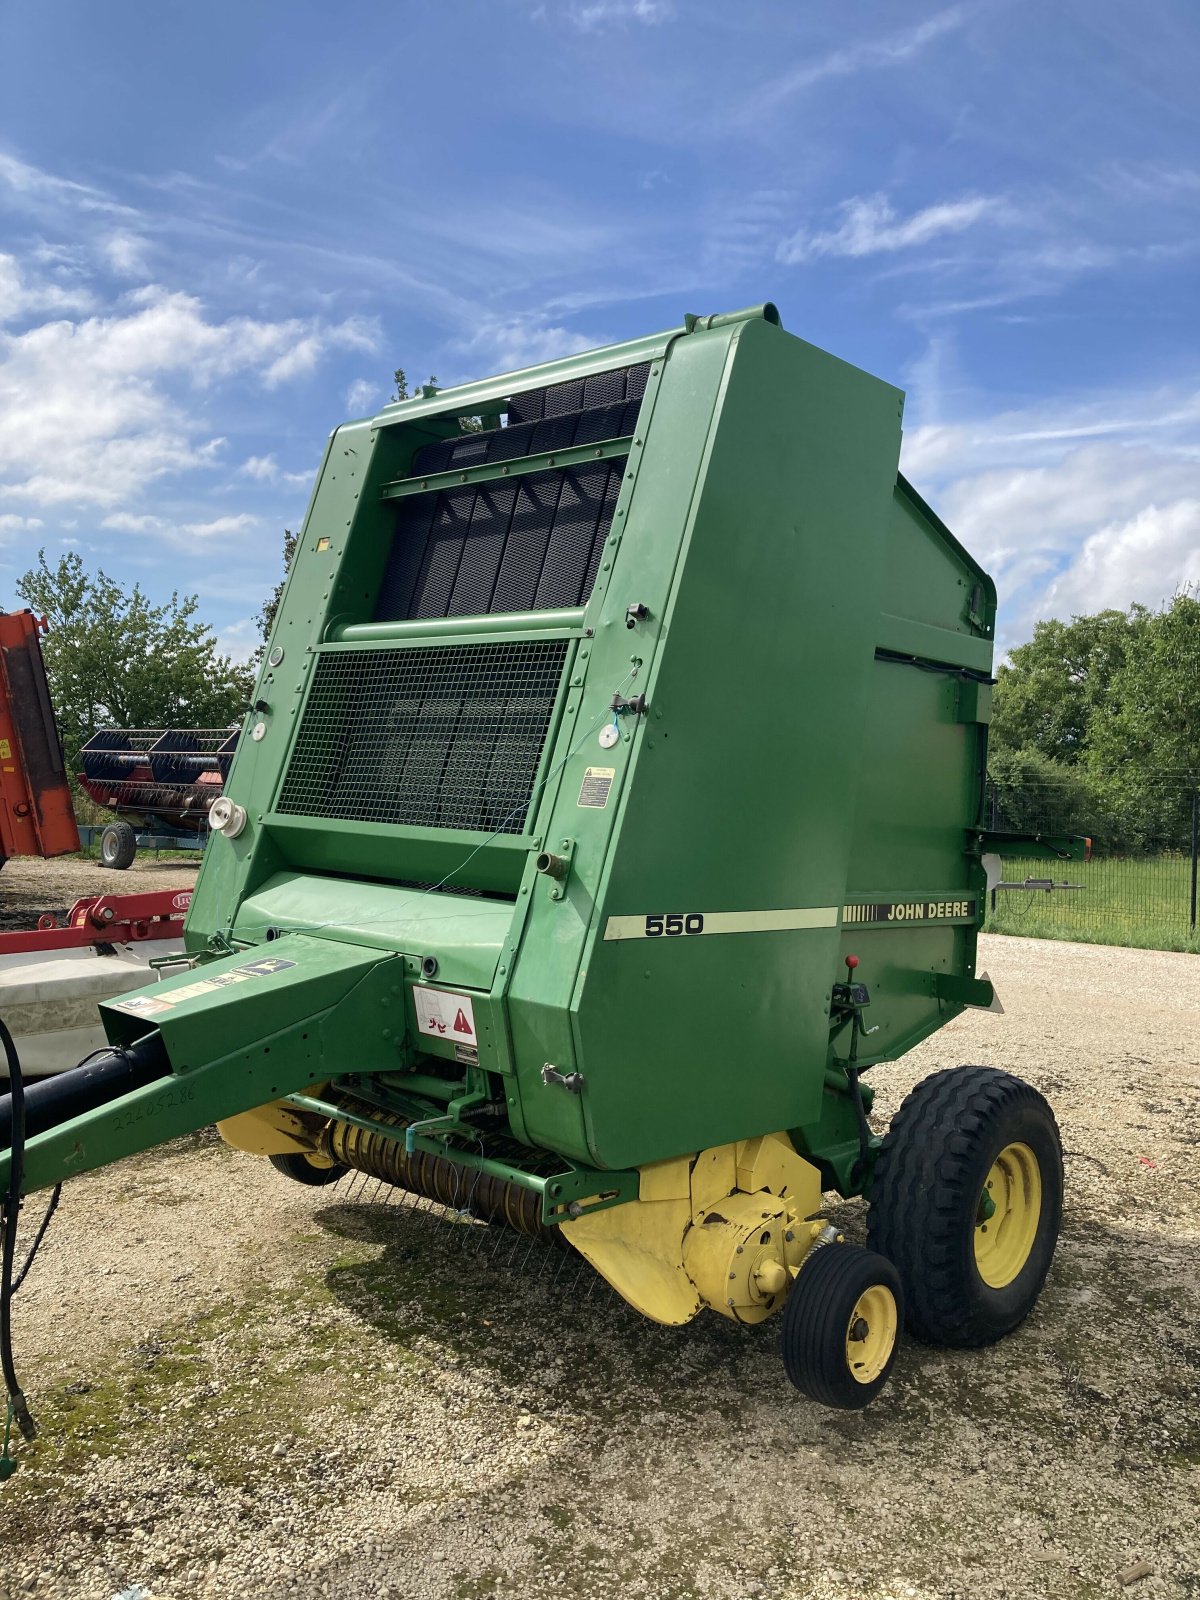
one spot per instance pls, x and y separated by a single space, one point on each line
36 817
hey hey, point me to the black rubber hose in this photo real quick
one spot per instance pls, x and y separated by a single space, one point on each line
104 1076
12 1211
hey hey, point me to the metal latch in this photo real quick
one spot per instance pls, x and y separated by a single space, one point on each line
623 708
572 1082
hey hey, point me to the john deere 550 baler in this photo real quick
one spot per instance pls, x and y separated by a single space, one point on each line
609 804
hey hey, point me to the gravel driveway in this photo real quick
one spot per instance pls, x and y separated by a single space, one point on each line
29 887
247 1388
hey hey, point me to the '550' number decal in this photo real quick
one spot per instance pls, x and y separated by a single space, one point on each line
669 924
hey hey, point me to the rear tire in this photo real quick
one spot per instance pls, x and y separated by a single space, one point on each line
301 1170
841 1326
966 1200
118 846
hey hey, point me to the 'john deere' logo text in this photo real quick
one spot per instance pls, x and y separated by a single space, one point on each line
880 913
926 910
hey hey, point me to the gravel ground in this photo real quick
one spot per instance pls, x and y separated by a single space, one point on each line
247 1388
30 887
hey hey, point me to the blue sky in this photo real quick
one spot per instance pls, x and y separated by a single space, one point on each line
222 226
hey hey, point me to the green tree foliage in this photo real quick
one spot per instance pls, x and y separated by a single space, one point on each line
1152 717
403 392
114 659
1096 728
1038 794
1053 690
266 617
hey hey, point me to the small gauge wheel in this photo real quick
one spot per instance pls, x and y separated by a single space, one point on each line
841 1326
303 1169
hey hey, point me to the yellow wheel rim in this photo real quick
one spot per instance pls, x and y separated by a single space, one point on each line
871 1333
1007 1215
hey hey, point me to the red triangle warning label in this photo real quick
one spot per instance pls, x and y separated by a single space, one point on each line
461 1025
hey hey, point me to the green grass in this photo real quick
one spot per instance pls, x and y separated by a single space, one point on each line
1143 901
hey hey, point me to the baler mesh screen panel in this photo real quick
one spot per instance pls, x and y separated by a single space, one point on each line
447 737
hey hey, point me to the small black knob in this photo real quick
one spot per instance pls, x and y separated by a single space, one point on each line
429 966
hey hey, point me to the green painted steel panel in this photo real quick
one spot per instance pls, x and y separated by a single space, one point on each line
463 934
741 798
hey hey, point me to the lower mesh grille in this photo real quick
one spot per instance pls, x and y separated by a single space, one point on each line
445 737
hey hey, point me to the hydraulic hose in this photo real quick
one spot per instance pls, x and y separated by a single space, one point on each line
11 1212
103 1076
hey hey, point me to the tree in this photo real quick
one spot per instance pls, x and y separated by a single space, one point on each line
266 617
114 659
403 392
1096 727
1152 720
1055 689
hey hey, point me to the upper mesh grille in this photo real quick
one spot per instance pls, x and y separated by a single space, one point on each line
446 737
529 545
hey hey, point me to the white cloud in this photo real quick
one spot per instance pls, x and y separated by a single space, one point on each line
32 189
505 344
128 522
1072 506
222 527
867 55
590 16
869 225
240 639
11 523
131 364
265 469
19 297
362 397
126 253
1147 558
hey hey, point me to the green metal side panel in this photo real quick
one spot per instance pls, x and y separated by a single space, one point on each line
741 795
930 579
464 935
339 562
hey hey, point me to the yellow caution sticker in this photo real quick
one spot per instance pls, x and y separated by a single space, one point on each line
596 787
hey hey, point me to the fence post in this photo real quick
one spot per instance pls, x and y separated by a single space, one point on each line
1193 854
1195 835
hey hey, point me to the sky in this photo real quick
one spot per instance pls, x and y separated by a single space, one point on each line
223 226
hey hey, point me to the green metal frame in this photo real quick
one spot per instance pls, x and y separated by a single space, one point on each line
518 467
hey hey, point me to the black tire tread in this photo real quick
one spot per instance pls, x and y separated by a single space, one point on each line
816 1314
301 1170
124 848
920 1185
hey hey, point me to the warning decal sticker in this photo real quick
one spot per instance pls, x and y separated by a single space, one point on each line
144 1005
443 1015
596 786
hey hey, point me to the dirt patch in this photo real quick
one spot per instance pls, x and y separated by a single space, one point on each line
30 888
248 1388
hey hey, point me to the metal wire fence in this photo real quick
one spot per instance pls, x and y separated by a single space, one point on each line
1140 885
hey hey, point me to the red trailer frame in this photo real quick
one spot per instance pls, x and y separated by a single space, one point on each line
105 919
36 816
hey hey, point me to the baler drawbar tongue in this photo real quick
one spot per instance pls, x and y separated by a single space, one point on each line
222 1039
